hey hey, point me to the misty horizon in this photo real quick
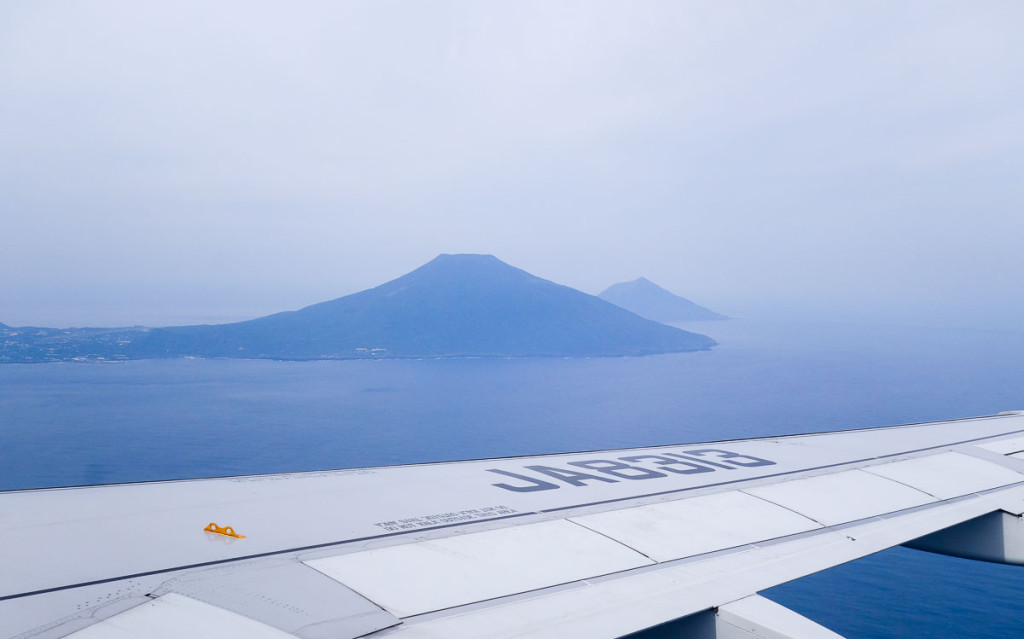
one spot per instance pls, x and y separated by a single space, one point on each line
251 303
206 319
818 160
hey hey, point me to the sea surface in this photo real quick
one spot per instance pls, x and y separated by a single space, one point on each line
87 423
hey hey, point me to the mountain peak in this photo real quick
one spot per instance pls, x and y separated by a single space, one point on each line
460 270
466 261
466 258
641 282
647 299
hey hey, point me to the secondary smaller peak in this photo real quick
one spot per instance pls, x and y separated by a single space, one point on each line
642 282
647 299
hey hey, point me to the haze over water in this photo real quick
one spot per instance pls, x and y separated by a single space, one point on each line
64 424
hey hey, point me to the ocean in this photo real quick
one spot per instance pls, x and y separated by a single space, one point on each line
87 423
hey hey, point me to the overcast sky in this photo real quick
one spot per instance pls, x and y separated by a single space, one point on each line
180 162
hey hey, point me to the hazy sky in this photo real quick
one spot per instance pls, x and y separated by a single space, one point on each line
195 161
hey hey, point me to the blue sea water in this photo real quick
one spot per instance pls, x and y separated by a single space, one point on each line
68 424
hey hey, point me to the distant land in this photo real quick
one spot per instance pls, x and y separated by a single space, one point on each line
453 306
647 299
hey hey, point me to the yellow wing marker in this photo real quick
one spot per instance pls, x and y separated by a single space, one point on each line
227 531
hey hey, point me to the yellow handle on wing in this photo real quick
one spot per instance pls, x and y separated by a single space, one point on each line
227 531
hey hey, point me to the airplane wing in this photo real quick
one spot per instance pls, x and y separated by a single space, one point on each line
591 544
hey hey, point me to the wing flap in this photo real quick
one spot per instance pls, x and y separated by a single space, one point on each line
688 527
842 497
285 594
947 475
755 617
617 605
412 579
173 616
1005 446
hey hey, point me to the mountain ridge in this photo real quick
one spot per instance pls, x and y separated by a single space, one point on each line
453 306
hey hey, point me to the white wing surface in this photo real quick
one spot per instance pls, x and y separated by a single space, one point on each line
595 544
